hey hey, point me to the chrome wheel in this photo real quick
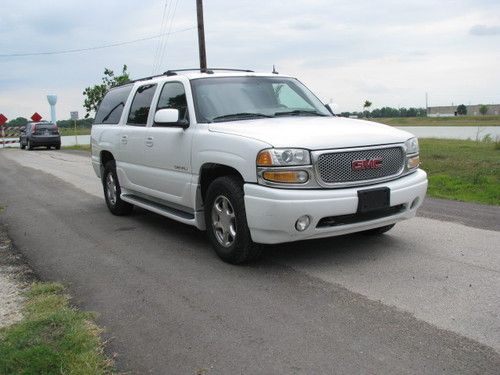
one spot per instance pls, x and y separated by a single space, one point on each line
111 189
224 221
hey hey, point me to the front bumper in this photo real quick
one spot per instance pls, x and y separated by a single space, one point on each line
272 213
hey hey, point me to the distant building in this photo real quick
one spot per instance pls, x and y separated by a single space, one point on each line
472 110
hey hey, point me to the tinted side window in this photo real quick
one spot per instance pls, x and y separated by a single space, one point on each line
173 96
111 108
139 110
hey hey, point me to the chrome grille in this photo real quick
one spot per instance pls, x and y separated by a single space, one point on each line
336 167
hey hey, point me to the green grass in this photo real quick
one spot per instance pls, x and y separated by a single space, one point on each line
71 131
441 121
77 147
52 338
462 170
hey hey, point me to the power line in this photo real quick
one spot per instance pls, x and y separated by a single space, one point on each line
162 55
60 52
162 30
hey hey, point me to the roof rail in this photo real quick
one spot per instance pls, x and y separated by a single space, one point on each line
208 71
173 72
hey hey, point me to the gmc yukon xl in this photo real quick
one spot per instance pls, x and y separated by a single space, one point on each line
252 159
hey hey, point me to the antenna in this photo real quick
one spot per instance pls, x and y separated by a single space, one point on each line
274 70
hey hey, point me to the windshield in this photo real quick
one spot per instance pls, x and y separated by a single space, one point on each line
240 98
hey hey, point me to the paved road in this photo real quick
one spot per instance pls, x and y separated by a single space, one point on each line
422 299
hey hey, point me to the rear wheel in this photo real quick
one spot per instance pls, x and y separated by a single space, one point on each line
226 221
58 147
21 145
379 231
112 191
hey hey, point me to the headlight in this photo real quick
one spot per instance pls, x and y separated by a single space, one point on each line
283 157
411 146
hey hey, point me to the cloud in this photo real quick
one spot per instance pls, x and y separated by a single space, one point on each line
482 30
346 51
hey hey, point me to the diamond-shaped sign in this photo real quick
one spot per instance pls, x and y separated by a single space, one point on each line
36 117
3 119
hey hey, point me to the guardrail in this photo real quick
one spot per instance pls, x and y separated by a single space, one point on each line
7 133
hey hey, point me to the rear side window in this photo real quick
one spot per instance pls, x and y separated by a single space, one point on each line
139 110
111 108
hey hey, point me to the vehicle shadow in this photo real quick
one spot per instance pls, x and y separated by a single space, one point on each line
342 250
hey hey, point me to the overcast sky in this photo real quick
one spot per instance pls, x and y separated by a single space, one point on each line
388 51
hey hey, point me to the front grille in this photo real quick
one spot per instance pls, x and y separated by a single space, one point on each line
336 167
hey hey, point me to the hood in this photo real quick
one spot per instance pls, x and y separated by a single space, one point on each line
313 133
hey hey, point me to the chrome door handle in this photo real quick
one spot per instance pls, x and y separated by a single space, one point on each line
149 141
124 139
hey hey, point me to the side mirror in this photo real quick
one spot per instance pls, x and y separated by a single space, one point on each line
170 117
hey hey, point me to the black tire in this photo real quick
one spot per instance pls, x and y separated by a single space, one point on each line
379 231
242 249
48 147
58 147
21 145
116 205
29 147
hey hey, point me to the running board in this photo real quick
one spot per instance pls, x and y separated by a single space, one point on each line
160 209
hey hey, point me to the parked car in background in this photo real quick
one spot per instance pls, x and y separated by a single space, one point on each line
40 134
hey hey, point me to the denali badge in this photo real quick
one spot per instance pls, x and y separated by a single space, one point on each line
361 165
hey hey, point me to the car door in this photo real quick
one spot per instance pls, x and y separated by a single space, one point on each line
132 164
169 149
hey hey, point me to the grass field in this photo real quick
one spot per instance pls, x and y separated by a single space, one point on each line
52 338
71 131
440 121
77 147
462 170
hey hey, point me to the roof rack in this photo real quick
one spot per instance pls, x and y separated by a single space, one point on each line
173 72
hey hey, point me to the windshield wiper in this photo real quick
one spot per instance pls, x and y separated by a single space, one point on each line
299 112
237 116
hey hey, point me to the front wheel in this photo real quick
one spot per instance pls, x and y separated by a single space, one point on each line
29 147
112 191
226 221
21 145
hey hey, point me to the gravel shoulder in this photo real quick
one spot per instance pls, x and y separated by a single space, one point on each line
15 277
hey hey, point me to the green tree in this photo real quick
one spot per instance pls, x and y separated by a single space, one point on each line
462 110
483 109
20 121
94 94
367 104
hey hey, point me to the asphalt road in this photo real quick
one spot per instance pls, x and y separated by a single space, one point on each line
422 299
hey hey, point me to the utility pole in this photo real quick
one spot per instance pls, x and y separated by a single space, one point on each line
201 36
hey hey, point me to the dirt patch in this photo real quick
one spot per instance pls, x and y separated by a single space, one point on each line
15 277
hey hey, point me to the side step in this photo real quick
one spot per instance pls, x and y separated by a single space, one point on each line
160 209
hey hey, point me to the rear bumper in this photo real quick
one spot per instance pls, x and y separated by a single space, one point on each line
46 141
272 213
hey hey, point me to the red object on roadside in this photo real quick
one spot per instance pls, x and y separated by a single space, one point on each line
3 119
36 117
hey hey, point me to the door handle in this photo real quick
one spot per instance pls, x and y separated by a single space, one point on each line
149 141
124 139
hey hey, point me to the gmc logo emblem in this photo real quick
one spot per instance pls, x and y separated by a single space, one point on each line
361 165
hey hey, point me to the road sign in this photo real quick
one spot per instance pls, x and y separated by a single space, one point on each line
3 119
36 117
74 115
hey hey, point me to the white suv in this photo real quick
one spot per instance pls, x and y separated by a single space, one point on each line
251 158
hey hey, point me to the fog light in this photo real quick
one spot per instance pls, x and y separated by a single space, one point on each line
302 223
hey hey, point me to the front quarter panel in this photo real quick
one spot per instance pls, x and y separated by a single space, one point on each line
233 151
